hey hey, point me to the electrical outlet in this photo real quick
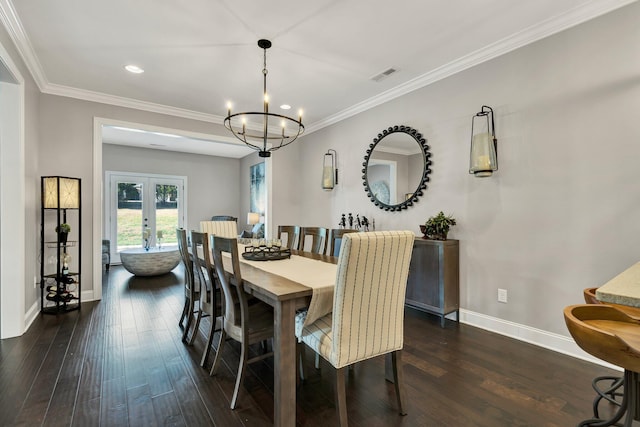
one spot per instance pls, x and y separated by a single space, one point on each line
502 295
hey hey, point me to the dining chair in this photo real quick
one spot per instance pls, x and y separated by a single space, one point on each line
293 235
368 308
319 242
209 299
191 291
227 229
243 322
335 237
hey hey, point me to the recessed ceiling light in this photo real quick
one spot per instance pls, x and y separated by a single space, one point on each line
134 69
285 106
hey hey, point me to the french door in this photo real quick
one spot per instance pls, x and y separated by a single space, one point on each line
142 206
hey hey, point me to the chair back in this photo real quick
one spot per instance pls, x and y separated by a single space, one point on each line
203 266
319 236
235 299
224 218
293 235
183 248
336 239
228 229
368 302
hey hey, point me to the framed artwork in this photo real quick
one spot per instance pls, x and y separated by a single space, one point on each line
257 188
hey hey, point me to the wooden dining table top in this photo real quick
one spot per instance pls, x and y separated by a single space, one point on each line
272 286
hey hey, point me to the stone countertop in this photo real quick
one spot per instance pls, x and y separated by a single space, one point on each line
623 289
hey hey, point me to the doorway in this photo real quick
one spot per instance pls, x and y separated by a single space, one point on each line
143 210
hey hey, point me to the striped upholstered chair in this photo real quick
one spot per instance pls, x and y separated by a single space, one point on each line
227 229
368 307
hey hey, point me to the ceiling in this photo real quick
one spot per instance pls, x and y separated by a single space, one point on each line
200 54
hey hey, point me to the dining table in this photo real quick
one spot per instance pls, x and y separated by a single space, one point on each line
303 280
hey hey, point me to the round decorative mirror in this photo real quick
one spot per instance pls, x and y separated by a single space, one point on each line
396 168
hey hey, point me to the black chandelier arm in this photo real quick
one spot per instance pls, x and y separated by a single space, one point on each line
245 136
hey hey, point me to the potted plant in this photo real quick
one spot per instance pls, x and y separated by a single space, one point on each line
437 227
63 231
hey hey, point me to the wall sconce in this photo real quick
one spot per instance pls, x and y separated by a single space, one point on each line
330 170
484 145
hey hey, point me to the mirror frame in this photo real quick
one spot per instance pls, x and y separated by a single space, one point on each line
425 171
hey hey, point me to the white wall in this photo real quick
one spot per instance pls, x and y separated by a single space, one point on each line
212 187
561 214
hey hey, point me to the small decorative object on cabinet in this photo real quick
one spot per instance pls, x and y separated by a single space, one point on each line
60 253
433 283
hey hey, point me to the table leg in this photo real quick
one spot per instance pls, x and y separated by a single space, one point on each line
284 348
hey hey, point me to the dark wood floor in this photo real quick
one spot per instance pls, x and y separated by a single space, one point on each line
120 362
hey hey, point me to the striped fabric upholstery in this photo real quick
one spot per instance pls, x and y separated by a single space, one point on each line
226 229
368 303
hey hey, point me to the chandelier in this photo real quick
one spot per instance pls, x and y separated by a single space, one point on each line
264 142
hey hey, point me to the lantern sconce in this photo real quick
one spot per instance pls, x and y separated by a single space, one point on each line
484 145
330 170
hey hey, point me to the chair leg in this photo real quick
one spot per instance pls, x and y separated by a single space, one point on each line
196 326
300 360
398 379
207 349
216 360
189 320
240 375
184 312
341 396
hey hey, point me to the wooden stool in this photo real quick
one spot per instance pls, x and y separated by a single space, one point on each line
613 336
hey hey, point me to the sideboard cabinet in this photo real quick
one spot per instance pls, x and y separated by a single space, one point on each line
433 284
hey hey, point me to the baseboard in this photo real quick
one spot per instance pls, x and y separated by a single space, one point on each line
31 315
87 296
548 340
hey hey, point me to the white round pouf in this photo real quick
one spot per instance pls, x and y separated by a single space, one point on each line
153 262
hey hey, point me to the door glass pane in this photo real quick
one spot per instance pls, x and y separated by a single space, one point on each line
129 215
166 214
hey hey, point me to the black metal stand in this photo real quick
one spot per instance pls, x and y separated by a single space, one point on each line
629 404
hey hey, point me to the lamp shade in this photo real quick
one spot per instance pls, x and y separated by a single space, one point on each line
253 218
60 192
483 156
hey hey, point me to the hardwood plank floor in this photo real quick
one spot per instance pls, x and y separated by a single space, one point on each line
120 362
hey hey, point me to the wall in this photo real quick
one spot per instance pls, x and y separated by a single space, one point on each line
205 174
562 212
66 131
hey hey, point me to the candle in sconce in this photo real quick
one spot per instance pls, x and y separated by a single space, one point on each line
484 163
327 177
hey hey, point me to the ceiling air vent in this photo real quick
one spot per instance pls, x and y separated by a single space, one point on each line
383 75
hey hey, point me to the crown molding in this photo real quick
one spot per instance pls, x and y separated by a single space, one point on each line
554 25
14 27
522 38
87 95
